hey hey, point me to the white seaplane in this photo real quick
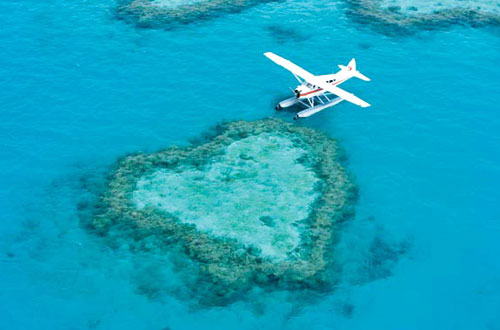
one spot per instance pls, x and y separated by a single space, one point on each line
318 93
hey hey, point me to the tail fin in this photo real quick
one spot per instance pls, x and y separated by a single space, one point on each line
351 67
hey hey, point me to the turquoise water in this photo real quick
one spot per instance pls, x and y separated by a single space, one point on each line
80 89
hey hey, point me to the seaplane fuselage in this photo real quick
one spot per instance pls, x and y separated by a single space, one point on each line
306 90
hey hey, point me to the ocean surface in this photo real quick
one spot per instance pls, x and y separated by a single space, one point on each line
79 89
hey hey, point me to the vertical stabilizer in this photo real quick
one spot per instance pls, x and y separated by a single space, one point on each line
352 65
351 68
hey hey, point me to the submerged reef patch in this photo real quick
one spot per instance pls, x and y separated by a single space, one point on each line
404 16
260 204
282 34
165 13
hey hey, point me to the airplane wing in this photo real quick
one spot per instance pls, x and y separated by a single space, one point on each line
340 92
293 68
309 77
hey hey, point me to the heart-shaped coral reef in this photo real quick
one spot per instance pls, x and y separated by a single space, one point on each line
260 204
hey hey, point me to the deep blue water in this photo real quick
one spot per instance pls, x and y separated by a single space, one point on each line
78 89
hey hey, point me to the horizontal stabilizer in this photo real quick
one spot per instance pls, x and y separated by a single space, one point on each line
361 76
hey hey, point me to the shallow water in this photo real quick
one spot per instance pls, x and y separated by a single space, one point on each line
80 88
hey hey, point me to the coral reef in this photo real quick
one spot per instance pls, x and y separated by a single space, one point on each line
258 205
165 13
403 16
